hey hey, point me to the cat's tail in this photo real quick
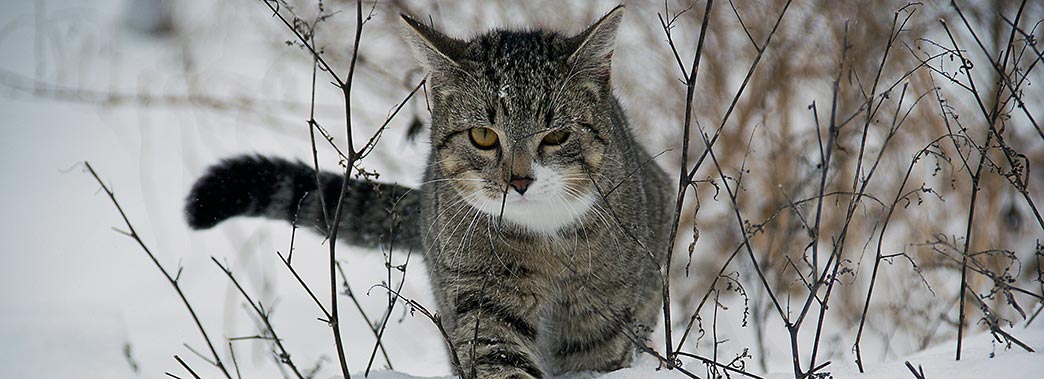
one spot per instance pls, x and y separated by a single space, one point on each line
250 185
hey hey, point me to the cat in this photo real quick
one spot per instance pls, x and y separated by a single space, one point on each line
543 222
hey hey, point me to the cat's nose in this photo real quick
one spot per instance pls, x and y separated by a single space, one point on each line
520 183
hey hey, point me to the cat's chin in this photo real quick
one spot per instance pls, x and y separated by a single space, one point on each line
544 215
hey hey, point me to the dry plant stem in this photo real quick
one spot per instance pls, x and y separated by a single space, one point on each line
387 312
186 366
692 319
667 24
897 123
49 90
714 332
996 328
308 289
715 363
235 362
877 261
660 358
692 172
1007 81
794 327
197 353
365 150
992 115
350 159
345 87
1038 254
284 356
739 93
978 268
967 243
880 239
435 319
710 144
372 142
293 235
746 243
304 41
684 179
1033 317
346 90
825 159
735 252
366 318
348 291
859 190
991 118
917 373
312 125
173 280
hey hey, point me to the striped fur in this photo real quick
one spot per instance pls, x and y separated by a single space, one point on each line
562 275
373 213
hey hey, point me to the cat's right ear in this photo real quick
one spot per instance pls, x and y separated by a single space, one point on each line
434 50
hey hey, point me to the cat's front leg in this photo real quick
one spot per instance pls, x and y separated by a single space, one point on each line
495 326
596 324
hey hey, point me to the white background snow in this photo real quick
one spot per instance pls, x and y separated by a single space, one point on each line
78 299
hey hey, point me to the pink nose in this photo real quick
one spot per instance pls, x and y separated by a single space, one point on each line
520 184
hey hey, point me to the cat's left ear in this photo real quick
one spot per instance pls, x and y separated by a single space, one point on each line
593 48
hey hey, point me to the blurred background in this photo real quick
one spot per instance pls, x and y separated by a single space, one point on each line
903 96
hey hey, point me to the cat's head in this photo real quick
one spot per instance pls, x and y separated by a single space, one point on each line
521 120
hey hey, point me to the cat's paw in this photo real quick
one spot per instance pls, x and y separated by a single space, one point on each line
236 186
497 372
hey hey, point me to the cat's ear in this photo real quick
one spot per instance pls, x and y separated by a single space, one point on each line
434 50
593 48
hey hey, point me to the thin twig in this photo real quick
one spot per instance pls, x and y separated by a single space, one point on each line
715 363
366 318
132 233
186 366
283 355
683 177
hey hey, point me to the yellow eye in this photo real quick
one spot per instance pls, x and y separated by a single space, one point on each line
483 138
555 138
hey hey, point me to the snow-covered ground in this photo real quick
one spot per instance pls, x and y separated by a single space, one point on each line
982 358
78 299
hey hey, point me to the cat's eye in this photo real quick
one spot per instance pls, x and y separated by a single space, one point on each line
555 138
483 138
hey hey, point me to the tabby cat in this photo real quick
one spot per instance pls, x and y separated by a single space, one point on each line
543 222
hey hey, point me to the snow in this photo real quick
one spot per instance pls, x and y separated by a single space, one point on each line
79 299
982 357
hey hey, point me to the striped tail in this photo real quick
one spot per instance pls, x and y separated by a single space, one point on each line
372 213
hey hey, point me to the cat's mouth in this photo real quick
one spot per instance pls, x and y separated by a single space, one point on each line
539 212
546 201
